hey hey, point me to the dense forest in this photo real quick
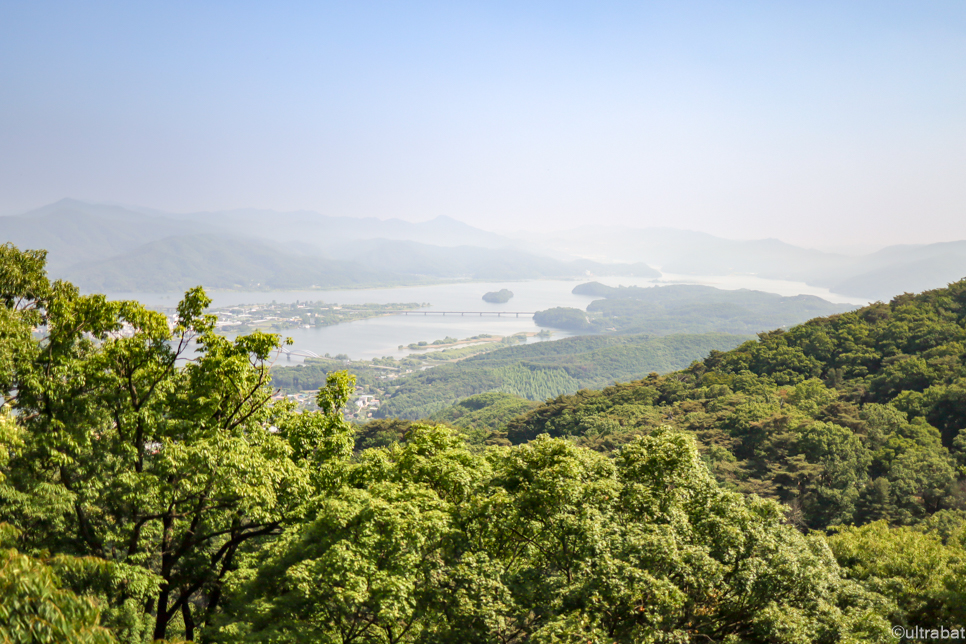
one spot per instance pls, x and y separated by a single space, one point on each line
849 418
533 371
547 369
804 487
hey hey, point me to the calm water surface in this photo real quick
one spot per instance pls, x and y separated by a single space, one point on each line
377 337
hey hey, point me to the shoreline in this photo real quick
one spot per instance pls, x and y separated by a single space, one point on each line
468 342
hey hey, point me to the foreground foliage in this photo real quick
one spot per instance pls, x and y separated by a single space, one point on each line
164 470
35 607
545 542
150 489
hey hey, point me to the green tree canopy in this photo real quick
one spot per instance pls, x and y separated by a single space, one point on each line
545 542
149 446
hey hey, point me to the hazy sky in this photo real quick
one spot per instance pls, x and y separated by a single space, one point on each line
816 122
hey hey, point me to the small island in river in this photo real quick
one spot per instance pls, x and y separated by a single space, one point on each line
498 297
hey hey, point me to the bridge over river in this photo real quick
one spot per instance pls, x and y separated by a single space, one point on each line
464 313
302 353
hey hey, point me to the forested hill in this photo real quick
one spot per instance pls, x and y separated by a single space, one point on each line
848 418
684 308
180 262
546 369
152 490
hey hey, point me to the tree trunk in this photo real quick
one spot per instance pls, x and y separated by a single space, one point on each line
161 622
189 624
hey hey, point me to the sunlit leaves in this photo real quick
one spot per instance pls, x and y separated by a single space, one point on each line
154 450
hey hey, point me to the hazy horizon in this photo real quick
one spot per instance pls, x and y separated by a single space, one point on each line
513 234
821 125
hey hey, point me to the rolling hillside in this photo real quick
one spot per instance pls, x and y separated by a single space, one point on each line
72 231
218 261
547 369
856 417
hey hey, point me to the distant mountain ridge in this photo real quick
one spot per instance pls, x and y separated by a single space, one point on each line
414 258
221 262
113 248
91 243
903 269
879 275
325 230
74 232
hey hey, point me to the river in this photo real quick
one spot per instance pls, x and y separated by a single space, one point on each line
378 337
